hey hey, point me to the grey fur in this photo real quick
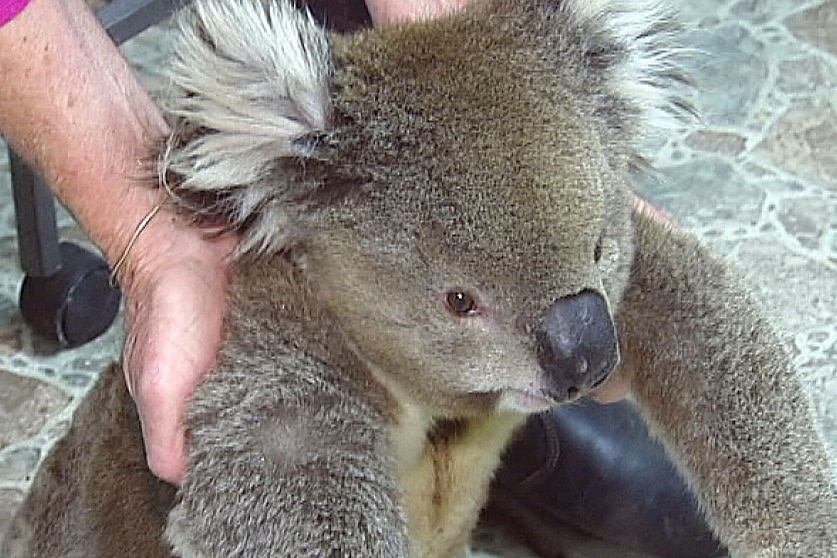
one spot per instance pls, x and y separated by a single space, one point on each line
351 413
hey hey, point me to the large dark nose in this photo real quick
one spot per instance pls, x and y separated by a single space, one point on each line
577 346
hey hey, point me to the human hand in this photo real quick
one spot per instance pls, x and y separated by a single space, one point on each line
175 284
394 11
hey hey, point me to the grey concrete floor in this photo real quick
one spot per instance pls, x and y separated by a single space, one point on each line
756 178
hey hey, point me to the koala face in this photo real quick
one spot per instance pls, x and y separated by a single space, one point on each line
463 326
476 265
460 205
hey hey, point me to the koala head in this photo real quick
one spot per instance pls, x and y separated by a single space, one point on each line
455 190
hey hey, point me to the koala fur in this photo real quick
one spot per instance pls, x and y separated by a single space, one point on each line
431 213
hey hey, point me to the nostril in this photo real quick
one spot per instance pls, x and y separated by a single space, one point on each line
572 392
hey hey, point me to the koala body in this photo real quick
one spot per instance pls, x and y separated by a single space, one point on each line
438 238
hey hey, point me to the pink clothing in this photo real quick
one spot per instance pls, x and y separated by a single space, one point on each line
10 8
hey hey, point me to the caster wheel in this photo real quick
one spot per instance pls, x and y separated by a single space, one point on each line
74 305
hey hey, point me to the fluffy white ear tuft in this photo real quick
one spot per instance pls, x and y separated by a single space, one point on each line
248 81
649 74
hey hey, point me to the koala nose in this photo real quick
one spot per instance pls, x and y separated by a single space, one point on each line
577 346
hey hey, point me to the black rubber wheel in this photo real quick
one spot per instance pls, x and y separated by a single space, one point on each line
74 305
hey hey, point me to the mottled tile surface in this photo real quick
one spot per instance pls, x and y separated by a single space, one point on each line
756 177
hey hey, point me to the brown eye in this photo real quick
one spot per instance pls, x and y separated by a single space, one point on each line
461 303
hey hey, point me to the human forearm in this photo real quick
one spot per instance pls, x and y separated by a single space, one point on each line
61 72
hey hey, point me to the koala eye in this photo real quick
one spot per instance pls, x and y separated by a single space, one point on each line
461 303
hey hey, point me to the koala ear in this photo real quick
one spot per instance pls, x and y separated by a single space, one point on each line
648 71
248 91
633 61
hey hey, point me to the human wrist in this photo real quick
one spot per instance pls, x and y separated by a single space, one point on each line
171 240
121 262
138 253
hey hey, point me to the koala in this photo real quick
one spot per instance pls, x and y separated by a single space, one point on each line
438 238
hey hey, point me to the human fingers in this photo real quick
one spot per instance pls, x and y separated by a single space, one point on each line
645 208
395 11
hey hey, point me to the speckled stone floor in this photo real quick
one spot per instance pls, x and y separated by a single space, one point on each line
756 178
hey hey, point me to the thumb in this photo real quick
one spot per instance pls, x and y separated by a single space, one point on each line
164 435
160 399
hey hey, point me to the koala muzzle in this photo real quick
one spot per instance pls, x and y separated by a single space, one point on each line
577 346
